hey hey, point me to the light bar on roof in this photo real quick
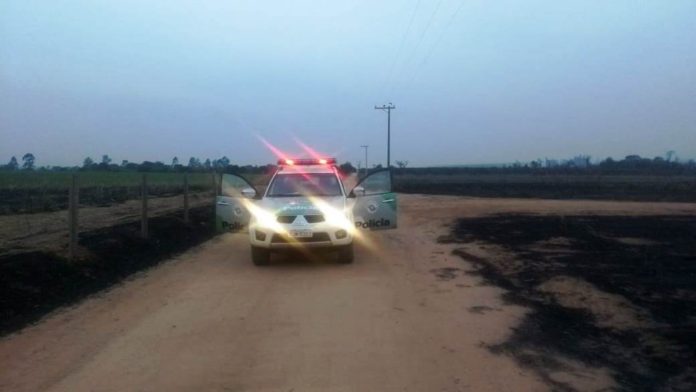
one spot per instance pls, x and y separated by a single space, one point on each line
317 161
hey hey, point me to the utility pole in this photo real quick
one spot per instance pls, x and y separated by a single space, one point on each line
388 109
365 146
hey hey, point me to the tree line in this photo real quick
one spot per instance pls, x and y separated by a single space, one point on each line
28 162
193 165
581 164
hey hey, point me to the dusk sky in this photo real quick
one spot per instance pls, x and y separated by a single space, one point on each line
473 81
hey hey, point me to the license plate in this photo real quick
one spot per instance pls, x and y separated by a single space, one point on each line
301 233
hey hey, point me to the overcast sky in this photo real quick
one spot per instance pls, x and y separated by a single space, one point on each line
473 81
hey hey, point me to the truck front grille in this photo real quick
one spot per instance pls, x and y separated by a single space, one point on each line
286 218
316 237
314 218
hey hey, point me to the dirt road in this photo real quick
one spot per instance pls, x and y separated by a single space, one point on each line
210 320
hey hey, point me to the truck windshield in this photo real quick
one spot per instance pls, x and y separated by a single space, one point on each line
304 184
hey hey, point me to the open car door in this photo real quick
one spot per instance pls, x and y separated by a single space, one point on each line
231 213
375 203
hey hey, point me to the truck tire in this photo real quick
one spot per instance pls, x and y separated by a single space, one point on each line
260 256
345 254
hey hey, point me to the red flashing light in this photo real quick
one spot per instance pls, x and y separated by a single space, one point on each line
307 162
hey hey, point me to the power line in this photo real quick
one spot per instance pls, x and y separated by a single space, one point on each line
430 22
401 45
437 42
420 38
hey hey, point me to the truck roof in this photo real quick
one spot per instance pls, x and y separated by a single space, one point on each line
306 169
307 165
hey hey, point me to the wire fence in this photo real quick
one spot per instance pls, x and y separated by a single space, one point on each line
36 192
48 210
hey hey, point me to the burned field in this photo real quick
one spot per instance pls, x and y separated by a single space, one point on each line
617 292
551 186
34 283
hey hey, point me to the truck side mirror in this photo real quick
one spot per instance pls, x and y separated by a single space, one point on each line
249 193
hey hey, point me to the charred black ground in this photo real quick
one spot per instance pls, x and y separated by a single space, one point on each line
551 187
32 284
650 260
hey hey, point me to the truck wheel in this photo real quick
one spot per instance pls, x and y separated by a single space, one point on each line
345 254
260 256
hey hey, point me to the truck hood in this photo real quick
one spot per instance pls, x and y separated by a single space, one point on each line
299 205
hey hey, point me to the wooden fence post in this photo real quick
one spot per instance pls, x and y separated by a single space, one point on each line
143 218
73 200
215 185
186 199
215 194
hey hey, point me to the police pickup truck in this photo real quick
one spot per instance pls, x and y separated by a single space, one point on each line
306 206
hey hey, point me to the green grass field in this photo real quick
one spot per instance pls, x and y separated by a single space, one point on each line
59 180
41 191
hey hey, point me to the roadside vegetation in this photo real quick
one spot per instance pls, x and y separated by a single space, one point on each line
61 179
31 191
